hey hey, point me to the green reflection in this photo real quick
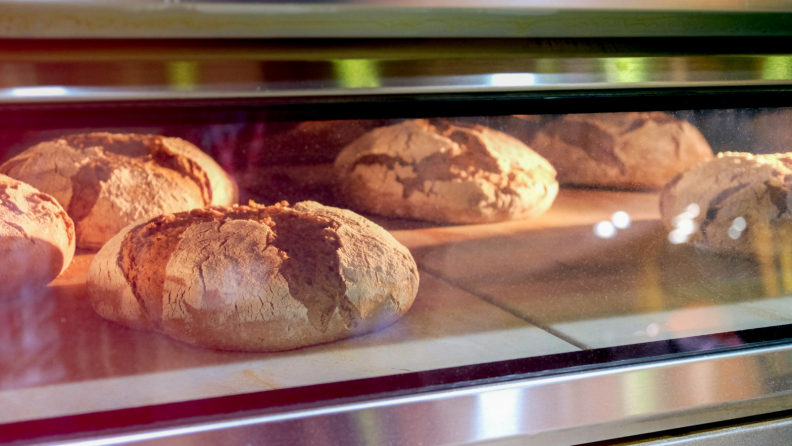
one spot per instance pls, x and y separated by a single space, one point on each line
368 427
626 69
356 73
549 66
777 68
638 392
182 75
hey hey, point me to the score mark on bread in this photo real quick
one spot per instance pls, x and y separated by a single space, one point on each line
254 278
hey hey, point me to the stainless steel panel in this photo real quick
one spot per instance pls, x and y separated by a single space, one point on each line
558 410
772 432
253 76
373 18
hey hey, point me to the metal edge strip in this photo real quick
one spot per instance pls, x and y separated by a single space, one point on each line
52 19
77 95
559 410
38 82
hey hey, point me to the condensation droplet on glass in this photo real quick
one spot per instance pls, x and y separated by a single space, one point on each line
693 210
604 229
621 220
739 224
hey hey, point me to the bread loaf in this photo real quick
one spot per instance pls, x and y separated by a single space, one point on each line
734 198
107 181
445 172
620 150
36 239
254 278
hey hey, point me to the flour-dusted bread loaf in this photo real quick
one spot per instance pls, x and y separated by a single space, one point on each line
254 278
36 239
445 172
738 198
107 181
620 150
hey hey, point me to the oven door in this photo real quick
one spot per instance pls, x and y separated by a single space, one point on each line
603 317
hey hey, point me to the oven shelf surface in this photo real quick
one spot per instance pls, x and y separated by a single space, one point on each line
475 305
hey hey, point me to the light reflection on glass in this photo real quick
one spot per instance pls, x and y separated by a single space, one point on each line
183 76
684 224
37 92
784 249
738 226
621 220
777 68
638 393
627 69
604 229
499 414
608 229
357 73
512 79
763 246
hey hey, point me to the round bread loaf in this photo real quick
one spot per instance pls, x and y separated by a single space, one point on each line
36 239
445 172
107 181
254 278
620 150
725 205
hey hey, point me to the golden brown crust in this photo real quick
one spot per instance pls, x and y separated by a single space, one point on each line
106 181
445 172
37 239
144 151
254 277
620 150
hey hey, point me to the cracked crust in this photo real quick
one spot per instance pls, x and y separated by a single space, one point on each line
620 150
254 278
36 239
106 181
445 172
754 187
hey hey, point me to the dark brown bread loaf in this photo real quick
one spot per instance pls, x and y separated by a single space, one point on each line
36 239
445 172
107 181
254 278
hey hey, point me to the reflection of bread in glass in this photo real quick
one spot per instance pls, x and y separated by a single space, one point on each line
107 181
36 239
619 150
